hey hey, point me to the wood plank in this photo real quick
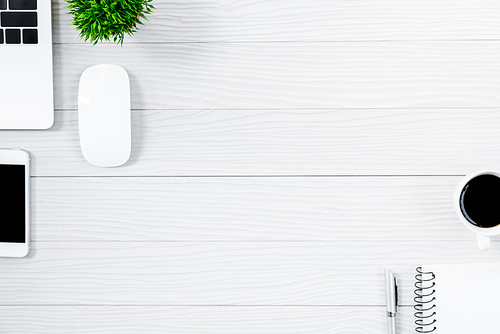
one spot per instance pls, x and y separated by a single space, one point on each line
280 142
292 75
246 209
218 273
273 255
199 319
302 20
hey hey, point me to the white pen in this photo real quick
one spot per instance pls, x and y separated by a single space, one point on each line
391 299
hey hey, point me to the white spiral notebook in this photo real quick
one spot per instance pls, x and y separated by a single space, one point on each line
458 298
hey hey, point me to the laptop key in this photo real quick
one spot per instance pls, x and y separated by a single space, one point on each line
3 4
18 19
1 36
22 4
30 36
13 36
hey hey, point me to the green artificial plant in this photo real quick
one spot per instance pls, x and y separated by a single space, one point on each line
106 20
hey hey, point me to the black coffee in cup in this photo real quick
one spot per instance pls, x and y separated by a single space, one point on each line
480 201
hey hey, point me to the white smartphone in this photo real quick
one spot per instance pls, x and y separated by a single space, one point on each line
14 203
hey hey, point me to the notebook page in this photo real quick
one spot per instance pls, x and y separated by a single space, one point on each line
467 298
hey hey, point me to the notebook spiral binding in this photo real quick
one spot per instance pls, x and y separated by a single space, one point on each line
424 301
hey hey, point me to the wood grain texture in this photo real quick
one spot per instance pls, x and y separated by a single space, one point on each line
246 209
280 142
292 75
284 153
302 20
199 319
223 273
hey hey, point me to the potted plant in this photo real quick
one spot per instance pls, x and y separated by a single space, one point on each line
106 20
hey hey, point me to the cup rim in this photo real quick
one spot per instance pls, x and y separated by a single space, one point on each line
488 231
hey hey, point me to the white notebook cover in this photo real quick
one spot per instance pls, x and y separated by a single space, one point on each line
467 298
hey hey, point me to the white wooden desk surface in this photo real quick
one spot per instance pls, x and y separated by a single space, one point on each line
284 153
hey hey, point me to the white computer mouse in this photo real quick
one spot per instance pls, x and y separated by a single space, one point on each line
104 115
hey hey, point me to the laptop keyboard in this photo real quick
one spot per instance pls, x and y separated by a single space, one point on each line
18 22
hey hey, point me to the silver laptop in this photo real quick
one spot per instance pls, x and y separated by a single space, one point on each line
26 80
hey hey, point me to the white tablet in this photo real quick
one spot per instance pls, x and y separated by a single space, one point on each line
14 202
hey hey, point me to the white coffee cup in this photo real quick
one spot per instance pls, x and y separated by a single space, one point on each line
483 234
